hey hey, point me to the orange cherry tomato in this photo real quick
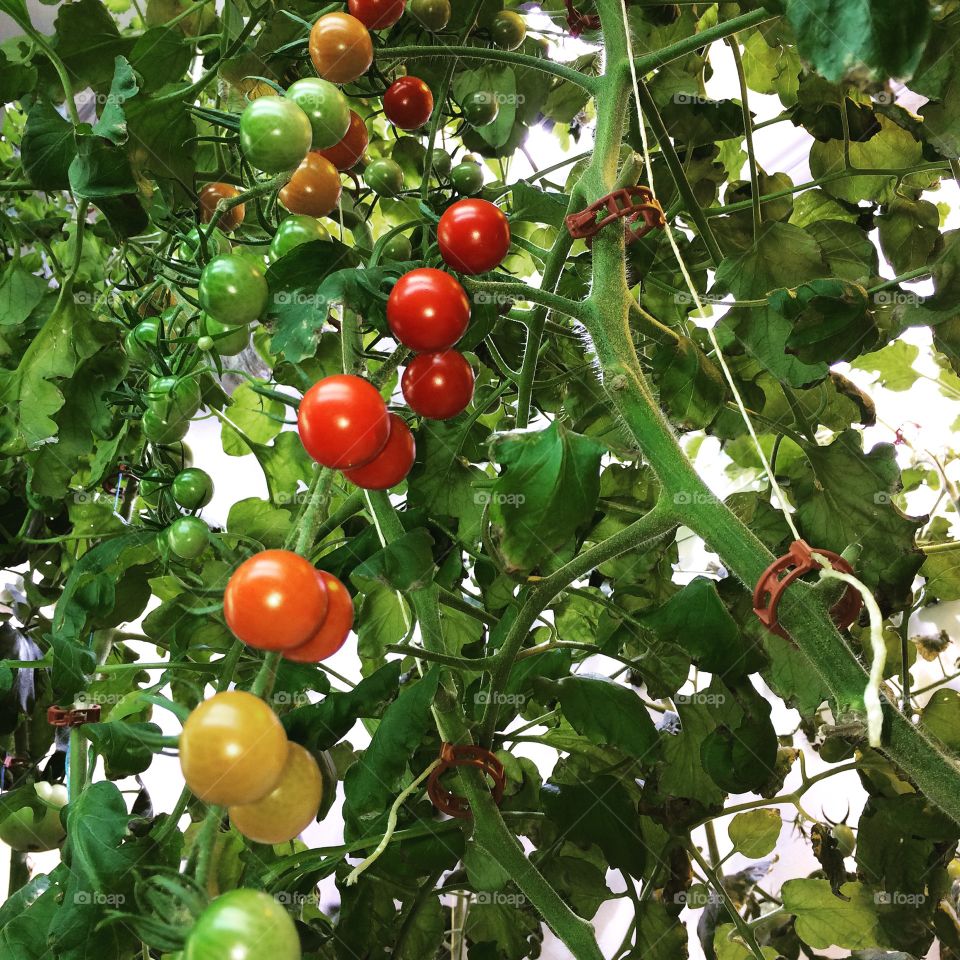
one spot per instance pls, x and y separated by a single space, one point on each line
336 628
211 195
274 600
340 47
314 189
349 150
289 808
232 749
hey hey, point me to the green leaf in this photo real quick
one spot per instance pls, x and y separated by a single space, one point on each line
941 716
754 833
660 935
260 520
824 920
514 933
886 37
88 42
893 364
161 55
534 205
909 233
112 124
47 147
405 564
545 494
121 744
259 417
496 79
691 387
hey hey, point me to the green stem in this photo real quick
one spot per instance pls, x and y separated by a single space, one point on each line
734 46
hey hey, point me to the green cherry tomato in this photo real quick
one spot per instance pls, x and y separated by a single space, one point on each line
441 163
411 154
233 289
467 178
846 839
508 30
384 177
398 247
192 488
294 230
174 398
188 537
152 484
159 430
217 245
23 831
243 925
226 340
326 109
205 343
480 108
141 342
275 134
434 15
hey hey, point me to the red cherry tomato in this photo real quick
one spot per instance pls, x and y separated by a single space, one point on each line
393 462
438 386
336 628
349 150
474 236
428 310
274 600
343 422
376 14
408 103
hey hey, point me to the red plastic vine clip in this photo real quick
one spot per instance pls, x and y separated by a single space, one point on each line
794 564
73 717
631 204
577 22
463 756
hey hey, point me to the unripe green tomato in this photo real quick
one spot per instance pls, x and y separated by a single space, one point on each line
441 162
152 484
233 289
508 30
275 134
174 398
21 831
384 177
467 178
846 841
139 341
326 108
953 869
480 108
188 537
411 154
294 230
158 430
227 341
434 15
192 488
398 247
217 245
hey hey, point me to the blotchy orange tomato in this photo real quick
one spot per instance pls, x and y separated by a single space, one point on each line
336 628
211 195
340 47
349 150
314 189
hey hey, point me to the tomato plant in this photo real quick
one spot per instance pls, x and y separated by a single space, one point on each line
579 383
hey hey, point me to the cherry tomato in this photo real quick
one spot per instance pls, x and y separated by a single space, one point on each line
335 629
192 488
350 149
232 749
274 600
174 398
508 30
467 178
289 808
432 14
428 310
228 341
480 108
243 925
142 341
474 236
314 189
188 537
159 430
211 195
340 47
275 134
398 247
408 103
233 289
343 422
217 245
30 833
295 230
326 108
391 464
438 386
376 14
384 177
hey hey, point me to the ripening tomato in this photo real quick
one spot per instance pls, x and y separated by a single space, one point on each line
233 289
508 30
391 464
428 310
274 600
398 247
340 47
211 195
474 236
408 103
275 134
326 108
432 14
314 189
232 749
350 149
480 108
294 231
289 808
335 629
343 422
376 14
188 537
438 386
243 925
